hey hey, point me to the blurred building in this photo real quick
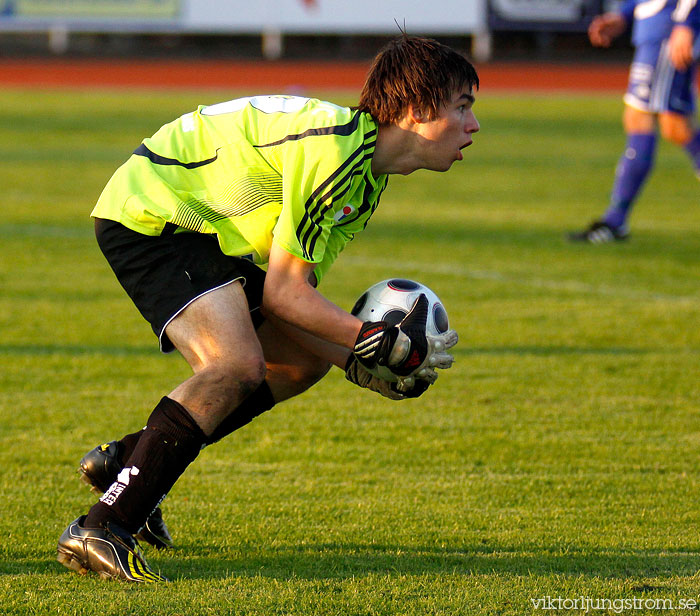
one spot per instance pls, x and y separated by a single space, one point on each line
553 30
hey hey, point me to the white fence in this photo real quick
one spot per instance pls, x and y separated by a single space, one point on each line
237 16
274 18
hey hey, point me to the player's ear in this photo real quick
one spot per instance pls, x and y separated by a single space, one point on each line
416 115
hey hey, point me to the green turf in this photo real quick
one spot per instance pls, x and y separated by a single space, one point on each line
558 458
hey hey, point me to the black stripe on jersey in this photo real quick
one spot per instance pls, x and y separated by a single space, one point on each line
315 203
313 232
366 205
316 212
368 148
340 129
315 196
142 150
376 202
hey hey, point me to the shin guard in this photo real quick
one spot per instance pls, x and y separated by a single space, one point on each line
165 448
255 404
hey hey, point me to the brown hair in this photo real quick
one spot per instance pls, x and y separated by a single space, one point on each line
417 72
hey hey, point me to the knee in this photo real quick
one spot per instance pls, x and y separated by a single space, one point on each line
249 376
636 121
678 137
239 379
676 129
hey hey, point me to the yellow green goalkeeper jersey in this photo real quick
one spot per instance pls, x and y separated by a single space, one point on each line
253 169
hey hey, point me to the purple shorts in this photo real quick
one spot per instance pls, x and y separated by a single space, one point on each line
656 86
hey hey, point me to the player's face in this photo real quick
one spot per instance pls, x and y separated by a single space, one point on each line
444 137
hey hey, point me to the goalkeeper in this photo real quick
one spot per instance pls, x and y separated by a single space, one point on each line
219 228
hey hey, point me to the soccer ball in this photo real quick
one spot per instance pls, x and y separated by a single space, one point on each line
390 301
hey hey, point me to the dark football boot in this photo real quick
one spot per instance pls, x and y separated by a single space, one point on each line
155 531
600 232
99 469
111 552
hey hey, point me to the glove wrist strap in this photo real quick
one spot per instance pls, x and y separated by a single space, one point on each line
369 342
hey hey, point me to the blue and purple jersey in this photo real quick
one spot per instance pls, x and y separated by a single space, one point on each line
653 20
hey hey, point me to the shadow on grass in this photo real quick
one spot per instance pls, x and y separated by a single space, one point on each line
550 351
76 350
673 245
340 561
343 561
114 350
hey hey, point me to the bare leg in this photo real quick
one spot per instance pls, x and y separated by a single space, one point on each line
217 339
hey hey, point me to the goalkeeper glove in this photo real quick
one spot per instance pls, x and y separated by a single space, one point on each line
407 388
406 349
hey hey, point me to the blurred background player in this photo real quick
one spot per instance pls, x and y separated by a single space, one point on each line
220 227
660 97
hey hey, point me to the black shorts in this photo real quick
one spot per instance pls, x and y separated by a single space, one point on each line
164 274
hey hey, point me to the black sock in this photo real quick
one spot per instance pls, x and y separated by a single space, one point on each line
169 443
255 404
127 444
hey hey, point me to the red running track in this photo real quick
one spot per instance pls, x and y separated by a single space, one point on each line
265 76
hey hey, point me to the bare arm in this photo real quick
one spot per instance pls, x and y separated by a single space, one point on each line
604 28
680 47
289 295
333 353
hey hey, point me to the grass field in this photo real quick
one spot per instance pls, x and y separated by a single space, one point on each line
558 458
